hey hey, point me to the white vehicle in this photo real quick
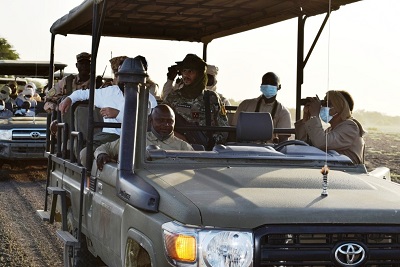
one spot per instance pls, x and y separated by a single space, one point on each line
24 138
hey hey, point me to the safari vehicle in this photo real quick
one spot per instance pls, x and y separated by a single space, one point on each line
24 138
21 82
235 205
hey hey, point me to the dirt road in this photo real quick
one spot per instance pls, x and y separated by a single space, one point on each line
24 239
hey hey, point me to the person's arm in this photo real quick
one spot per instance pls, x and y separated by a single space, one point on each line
240 108
152 87
110 148
300 129
340 138
79 95
106 153
186 146
284 121
111 102
167 88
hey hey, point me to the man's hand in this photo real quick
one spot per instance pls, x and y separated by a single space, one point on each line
53 127
110 113
311 108
172 72
314 106
65 105
101 160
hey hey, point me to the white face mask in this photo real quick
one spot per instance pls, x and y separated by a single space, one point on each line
2 107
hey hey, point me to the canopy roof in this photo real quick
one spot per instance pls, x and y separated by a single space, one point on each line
189 20
38 69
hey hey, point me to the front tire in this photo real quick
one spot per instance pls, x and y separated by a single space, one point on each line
136 255
78 257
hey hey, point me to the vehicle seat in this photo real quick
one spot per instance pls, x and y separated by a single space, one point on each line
81 117
254 127
39 107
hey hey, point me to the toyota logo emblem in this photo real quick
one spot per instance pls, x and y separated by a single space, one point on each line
350 254
35 135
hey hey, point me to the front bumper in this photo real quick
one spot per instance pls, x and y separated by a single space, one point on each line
22 150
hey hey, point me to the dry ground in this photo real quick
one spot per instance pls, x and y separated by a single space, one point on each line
383 149
27 241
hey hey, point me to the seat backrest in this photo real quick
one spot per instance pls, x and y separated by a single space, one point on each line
81 116
254 126
9 106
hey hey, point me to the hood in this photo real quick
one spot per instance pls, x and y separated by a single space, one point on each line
249 196
23 122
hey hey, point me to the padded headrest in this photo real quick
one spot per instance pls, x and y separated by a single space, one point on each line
254 126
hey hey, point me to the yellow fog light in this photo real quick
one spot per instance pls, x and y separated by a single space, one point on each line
180 247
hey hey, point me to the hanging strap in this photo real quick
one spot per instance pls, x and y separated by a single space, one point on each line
274 107
207 106
206 98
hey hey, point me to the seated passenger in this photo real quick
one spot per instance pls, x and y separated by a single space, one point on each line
110 100
162 122
24 110
270 85
35 89
197 106
5 95
4 112
14 86
26 95
169 86
70 83
345 134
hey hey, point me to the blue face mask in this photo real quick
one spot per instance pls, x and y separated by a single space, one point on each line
269 90
324 114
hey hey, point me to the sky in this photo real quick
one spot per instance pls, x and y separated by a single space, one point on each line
358 51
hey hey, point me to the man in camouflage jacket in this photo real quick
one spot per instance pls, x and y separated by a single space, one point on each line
194 105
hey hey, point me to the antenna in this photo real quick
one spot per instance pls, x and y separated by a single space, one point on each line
325 168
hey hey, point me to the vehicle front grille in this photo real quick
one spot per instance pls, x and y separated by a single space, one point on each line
327 245
29 134
28 150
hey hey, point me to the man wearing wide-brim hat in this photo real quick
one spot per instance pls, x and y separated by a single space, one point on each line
195 105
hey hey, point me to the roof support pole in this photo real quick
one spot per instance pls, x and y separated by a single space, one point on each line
205 51
97 25
300 65
49 86
316 39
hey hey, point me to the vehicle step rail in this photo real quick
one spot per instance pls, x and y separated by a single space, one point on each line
49 216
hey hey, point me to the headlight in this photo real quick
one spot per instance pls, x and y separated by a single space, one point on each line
191 246
5 134
226 248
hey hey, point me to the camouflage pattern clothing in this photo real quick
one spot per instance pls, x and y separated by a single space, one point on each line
194 112
64 87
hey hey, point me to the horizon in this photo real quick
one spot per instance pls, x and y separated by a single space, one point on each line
357 51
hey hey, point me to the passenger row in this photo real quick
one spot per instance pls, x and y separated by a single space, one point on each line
190 103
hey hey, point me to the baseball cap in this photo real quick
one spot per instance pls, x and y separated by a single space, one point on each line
83 56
